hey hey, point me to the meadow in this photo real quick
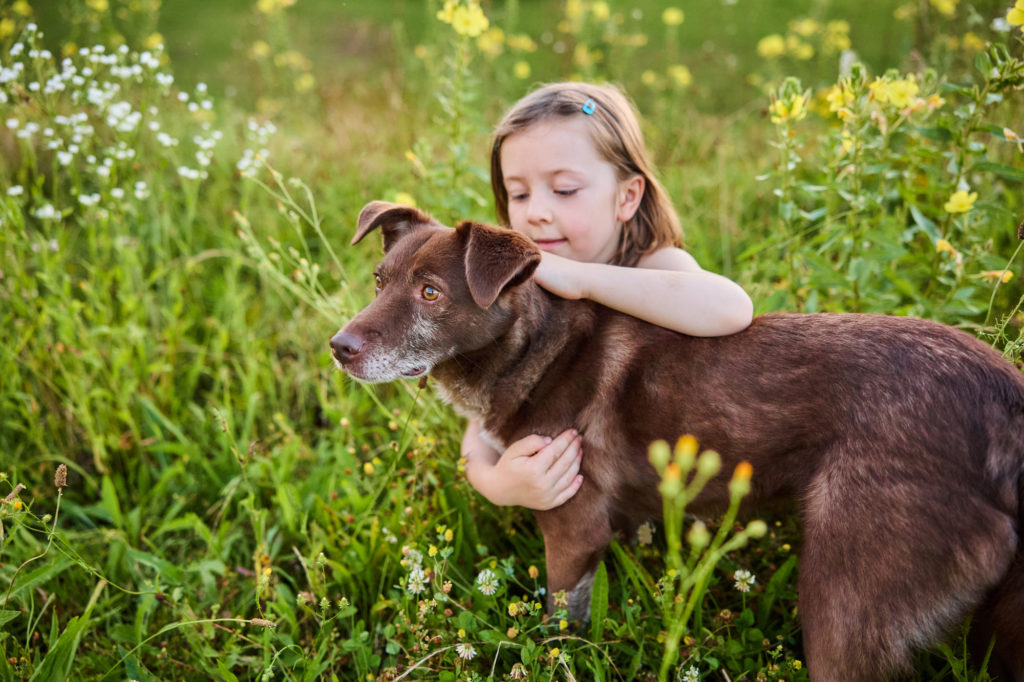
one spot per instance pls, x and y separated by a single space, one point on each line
191 490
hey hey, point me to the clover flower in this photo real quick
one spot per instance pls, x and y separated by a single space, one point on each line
465 651
744 580
418 581
487 582
691 674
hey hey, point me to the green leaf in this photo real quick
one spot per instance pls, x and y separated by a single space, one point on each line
598 602
109 503
1000 169
7 615
40 576
57 663
936 133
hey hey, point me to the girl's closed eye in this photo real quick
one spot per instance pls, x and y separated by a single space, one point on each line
567 192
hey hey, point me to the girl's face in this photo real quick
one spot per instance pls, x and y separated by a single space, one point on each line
562 195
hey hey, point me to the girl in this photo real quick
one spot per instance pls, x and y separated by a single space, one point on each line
569 170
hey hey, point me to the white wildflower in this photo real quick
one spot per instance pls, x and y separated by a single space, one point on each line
465 651
744 580
417 580
487 582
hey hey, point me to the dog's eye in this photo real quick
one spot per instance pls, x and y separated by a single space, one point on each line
430 293
377 282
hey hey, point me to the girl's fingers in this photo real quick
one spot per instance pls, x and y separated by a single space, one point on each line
551 453
568 459
565 495
525 447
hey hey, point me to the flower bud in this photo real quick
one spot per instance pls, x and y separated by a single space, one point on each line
659 455
686 452
709 463
698 536
757 528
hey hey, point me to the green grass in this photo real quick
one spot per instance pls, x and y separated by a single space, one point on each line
167 343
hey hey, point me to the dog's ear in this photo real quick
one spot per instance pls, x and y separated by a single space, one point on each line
495 259
394 220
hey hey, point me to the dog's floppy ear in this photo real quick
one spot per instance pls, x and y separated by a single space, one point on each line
495 259
394 220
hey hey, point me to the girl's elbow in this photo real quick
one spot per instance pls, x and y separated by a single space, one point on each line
739 316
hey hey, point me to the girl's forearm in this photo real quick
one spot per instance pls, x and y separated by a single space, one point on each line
698 303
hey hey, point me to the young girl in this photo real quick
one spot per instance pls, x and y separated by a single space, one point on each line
569 170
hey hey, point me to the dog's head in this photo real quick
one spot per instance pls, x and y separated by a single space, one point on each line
439 293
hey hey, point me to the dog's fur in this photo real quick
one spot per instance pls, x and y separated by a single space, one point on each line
901 440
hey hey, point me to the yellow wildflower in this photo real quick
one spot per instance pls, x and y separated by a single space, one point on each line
791 109
469 20
521 70
23 8
97 5
971 41
847 139
522 42
600 10
1003 276
839 96
837 37
491 42
900 93
447 13
563 624
961 201
273 6
771 46
649 78
6 27
368 468
681 75
804 27
672 16
154 41
432 551
533 572
305 82
943 246
946 7
1015 16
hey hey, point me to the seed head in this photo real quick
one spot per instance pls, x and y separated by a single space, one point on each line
60 479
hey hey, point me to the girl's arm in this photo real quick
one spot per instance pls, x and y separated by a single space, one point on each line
667 288
534 472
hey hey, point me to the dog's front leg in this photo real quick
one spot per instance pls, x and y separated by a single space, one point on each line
575 536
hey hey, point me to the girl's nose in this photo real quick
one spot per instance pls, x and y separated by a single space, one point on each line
537 210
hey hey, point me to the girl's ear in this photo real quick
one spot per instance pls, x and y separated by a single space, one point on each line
631 192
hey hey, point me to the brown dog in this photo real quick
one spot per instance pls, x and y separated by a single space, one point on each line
901 440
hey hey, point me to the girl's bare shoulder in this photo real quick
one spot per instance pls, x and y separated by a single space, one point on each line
669 258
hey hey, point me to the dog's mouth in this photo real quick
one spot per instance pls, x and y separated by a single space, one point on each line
415 371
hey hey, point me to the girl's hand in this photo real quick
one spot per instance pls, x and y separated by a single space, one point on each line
534 472
559 275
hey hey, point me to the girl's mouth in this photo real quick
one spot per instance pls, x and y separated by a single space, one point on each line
549 244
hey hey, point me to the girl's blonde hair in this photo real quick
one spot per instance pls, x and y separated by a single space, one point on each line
615 131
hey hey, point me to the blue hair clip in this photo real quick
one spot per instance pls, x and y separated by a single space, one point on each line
589 106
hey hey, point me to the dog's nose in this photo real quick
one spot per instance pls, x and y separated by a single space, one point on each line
346 346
